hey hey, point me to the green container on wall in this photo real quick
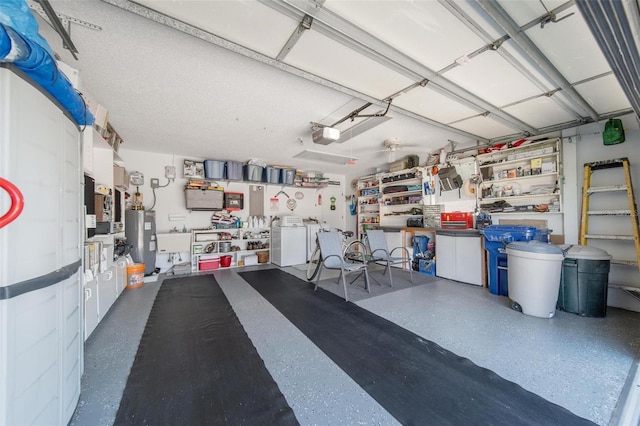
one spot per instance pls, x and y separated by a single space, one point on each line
584 281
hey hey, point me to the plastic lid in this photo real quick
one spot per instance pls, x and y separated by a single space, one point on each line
585 252
535 246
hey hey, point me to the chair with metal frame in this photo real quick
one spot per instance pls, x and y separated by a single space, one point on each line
378 249
331 251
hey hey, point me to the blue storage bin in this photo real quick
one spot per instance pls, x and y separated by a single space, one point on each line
288 176
542 234
253 173
271 175
496 239
233 170
214 169
427 267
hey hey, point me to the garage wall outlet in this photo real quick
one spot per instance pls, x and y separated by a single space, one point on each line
155 183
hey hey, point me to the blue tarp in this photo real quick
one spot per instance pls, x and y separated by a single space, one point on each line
21 44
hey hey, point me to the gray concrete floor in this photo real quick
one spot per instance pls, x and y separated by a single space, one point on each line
586 365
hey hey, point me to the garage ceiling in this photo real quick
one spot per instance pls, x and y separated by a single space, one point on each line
243 80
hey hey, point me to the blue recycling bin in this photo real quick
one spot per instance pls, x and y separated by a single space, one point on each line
496 239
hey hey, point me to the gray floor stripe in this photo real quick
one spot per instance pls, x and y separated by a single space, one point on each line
318 391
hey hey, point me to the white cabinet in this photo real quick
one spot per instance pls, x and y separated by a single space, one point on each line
524 179
234 242
107 291
41 325
90 307
459 255
121 274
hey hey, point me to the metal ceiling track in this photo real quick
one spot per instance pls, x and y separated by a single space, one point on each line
193 31
615 25
344 32
500 16
454 8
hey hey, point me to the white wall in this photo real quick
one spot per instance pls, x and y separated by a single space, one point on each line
586 141
171 199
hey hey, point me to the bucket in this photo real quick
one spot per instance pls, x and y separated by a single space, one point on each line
225 247
225 261
135 275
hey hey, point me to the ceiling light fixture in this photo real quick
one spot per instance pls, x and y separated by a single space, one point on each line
308 154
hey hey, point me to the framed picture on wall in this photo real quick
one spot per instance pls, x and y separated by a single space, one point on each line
193 169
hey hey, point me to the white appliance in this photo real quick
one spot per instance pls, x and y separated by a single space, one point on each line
312 230
288 245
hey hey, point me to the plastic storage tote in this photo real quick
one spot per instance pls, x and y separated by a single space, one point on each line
496 239
233 170
214 169
534 277
542 234
271 175
585 281
253 173
288 176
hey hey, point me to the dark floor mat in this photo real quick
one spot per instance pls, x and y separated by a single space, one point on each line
415 380
196 365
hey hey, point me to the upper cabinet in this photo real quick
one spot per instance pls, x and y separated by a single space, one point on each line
523 179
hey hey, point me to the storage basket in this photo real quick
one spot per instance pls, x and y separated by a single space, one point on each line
263 256
208 264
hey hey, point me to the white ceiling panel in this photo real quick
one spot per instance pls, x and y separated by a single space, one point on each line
523 12
484 126
247 23
604 94
491 77
333 61
570 47
540 112
423 30
434 105
512 48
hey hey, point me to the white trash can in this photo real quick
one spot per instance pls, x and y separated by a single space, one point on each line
534 277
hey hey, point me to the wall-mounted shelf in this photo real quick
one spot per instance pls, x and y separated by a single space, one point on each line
526 179
206 244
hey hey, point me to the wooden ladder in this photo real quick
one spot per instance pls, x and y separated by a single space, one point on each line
588 190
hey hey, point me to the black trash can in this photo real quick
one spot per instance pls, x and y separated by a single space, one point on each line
584 282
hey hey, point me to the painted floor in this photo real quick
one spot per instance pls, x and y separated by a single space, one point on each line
586 365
